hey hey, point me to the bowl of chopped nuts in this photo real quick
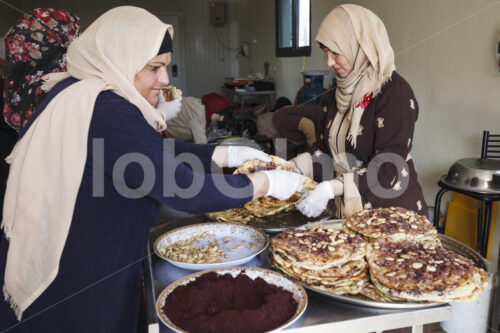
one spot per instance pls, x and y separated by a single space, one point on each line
210 245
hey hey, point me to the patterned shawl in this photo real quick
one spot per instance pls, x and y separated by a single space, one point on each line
36 45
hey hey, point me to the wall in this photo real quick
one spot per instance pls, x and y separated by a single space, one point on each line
209 53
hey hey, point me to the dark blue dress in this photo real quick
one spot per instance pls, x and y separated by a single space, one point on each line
98 285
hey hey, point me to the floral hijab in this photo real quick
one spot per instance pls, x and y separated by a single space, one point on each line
36 45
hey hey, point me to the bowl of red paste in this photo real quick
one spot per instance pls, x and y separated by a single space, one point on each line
238 299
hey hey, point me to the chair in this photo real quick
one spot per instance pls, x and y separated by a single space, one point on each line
490 148
491 145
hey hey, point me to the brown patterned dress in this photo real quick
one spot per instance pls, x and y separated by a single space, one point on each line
384 171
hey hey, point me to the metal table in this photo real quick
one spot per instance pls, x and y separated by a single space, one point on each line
247 94
322 314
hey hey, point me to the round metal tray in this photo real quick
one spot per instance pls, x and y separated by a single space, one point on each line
240 235
447 242
269 276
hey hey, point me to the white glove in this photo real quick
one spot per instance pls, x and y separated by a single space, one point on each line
237 155
294 166
282 184
314 202
169 110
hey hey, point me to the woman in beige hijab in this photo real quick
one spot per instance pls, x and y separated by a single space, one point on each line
368 128
89 175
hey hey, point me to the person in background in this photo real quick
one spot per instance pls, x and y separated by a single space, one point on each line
8 136
36 45
369 123
298 126
75 228
189 124
219 109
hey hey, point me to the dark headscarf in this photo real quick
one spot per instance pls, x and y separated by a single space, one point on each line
166 44
36 45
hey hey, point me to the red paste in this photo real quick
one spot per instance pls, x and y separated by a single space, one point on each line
221 303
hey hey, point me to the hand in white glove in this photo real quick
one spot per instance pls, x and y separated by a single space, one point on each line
314 202
282 184
294 166
169 110
237 155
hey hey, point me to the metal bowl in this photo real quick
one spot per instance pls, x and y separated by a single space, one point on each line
474 175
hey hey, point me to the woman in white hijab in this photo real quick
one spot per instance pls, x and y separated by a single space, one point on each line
88 178
369 123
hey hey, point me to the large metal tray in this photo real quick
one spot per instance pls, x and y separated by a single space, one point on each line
446 241
289 220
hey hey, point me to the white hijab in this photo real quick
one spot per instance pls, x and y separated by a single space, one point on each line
47 163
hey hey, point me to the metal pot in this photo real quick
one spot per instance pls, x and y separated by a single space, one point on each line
474 175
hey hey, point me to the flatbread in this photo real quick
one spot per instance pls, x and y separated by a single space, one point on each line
235 215
252 166
267 206
369 291
419 271
170 93
395 222
337 274
319 248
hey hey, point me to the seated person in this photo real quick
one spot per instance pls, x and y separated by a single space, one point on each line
190 123
219 108
298 126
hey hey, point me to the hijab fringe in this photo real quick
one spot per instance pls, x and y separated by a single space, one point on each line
13 305
50 80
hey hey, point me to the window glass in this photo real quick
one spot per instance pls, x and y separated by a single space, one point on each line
293 28
304 24
286 34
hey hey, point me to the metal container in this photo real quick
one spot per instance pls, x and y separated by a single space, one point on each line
474 175
240 141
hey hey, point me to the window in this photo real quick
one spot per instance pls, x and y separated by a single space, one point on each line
293 28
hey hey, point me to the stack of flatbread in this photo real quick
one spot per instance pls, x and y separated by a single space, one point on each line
325 259
415 270
406 261
386 254
265 206
395 222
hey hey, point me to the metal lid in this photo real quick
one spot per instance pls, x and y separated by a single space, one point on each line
474 175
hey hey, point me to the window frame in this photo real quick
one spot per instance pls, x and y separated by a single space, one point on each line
293 51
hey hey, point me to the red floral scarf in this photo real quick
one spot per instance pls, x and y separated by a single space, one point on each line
36 45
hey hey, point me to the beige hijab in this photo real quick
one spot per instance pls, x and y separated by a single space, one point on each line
47 163
360 36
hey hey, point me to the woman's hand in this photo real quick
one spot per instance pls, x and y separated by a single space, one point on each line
234 156
314 202
169 110
279 184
